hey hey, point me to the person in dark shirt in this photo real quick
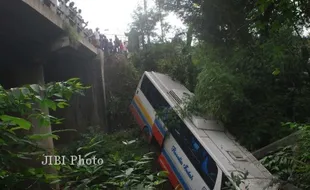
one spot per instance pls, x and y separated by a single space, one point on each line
106 44
102 41
116 44
110 46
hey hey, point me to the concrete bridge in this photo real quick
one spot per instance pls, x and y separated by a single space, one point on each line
35 48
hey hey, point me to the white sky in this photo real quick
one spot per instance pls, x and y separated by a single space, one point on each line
114 15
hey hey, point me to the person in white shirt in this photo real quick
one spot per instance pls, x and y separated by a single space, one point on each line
97 37
79 20
64 9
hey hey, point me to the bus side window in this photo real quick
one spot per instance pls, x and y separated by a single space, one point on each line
211 168
208 167
195 145
197 155
205 165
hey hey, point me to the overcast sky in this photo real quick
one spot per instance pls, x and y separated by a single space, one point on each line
114 15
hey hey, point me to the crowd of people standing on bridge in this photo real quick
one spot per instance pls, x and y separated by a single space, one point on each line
107 45
68 12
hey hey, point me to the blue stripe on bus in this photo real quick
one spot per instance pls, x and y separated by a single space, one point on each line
160 127
175 170
141 115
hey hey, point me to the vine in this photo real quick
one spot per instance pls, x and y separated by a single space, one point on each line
72 34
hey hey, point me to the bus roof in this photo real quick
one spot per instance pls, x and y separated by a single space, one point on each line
229 155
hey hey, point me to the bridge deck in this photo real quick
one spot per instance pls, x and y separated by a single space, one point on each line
30 27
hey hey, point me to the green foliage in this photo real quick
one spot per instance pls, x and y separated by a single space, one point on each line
209 90
71 33
18 107
250 67
111 143
169 58
291 163
147 59
252 84
120 89
126 163
145 22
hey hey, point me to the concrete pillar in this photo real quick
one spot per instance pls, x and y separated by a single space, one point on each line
37 76
33 74
101 61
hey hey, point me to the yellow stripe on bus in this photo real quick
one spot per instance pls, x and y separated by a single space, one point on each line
143 110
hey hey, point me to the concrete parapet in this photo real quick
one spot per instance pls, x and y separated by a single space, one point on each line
286 141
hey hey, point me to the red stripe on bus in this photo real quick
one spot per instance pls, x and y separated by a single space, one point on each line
136 116
165 166
158 136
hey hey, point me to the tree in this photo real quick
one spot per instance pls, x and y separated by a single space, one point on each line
145 23
133 40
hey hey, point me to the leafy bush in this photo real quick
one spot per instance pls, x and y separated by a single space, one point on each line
111 143
122 79
20 149
18 107
126 163
291 163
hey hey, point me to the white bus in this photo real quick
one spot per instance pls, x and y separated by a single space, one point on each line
197 153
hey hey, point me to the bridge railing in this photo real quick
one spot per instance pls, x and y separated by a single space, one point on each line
69 15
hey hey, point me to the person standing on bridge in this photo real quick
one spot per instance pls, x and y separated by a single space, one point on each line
121 46
79 20
106 45
110 46
97 38
64 10
116 44
102 41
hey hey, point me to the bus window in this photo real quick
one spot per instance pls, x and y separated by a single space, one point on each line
204 165
195 145
197 155
208 167
157 101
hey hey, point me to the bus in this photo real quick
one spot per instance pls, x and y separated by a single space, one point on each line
198 153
